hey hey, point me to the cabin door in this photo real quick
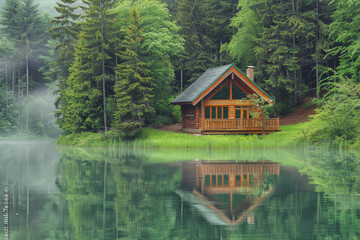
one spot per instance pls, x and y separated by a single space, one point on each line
241 113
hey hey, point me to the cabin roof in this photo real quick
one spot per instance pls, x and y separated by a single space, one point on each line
205 81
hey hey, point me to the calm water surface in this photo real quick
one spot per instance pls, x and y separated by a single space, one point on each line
89 193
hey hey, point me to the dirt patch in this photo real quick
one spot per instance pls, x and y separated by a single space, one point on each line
173 128
300 115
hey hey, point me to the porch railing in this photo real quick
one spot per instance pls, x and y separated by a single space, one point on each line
250 125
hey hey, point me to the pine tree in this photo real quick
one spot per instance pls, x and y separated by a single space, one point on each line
197 56
93 67
81 100
8 21
8 17
99 22
65 30
284 40
216 24
162 44
27 28
344 30
134 90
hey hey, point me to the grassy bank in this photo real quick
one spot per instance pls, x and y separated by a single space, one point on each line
153 138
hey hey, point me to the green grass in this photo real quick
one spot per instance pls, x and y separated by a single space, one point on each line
153 138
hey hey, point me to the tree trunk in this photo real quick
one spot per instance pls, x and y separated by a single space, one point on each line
116 63
295 72
103 66
13 78
19 99
181 78
317 50
27 93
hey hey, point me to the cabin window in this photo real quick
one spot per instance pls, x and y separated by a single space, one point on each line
224 93
213 112
219 180
219 112
237 112
207 180
245 113
213 180
207 112
216 112
238 180
237 93
226 180
226 112
241 112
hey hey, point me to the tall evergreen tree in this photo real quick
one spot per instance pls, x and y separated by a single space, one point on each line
99 22
196 58
92 69
8 17
344 30
9 25
27 28
216 24
65 29
81 99
285 40
134 90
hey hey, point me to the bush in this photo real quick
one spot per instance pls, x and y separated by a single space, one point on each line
337 119
284 108
160 121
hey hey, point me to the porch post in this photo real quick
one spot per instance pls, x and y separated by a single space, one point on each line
202 115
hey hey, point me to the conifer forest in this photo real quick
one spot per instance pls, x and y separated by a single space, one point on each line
100 65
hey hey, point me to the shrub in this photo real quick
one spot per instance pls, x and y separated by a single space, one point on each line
160 121
337 119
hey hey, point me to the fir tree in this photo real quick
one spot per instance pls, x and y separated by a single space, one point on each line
197 57
81 100
92 69
8 17
282 39
65 30
344 30
134 90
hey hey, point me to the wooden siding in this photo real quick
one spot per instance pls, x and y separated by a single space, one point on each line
190 116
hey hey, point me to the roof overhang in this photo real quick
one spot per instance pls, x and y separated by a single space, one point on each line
243 77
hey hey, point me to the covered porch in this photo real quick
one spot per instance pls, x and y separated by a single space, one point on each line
233 126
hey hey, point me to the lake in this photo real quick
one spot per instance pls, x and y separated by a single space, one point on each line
53 192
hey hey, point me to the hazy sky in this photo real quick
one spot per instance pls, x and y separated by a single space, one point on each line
46 5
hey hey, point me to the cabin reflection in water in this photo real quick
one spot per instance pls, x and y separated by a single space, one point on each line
227 192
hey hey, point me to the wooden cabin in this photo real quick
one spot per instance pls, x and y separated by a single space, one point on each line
216 103
229 190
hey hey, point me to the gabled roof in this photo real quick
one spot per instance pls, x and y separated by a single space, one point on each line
210 79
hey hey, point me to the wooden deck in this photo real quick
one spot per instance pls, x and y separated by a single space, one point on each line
233 126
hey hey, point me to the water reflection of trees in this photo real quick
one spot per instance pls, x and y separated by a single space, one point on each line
138 198
140 202
336 177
